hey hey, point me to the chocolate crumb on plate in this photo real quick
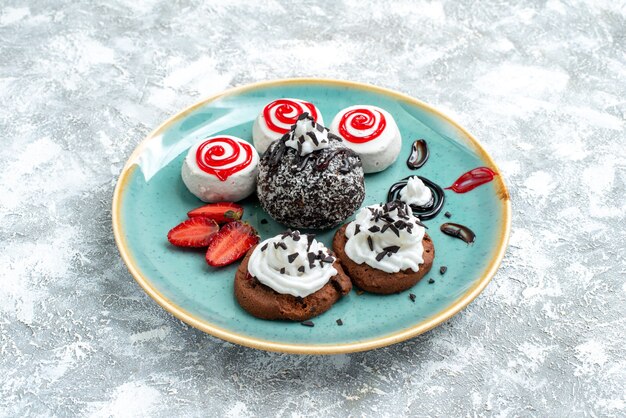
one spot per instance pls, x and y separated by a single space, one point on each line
263 221
431 281
447 215
443 269
308 324
412 297
339 322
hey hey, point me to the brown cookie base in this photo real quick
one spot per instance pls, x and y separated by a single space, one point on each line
263 302
377 281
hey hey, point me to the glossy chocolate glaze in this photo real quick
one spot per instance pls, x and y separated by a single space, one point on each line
321 159
458 231
419 154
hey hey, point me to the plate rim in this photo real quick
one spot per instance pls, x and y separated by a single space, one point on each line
332 348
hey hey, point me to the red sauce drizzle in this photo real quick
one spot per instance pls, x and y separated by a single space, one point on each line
284 107
472 179
218 166
365 119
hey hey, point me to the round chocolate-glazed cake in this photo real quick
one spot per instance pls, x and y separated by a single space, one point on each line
309 179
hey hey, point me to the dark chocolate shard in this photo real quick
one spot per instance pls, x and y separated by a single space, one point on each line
263 248
412 297
458 231
370 243
374 228
447 215
431 281
303 116
312 257
301 269
419 222
282 270
357 229
443 269
392 249
280 244
311 134
308 324
309 238
292 257
339 322
381 255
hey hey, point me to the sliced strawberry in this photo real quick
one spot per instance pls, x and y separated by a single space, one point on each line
195 232
231 243
221 212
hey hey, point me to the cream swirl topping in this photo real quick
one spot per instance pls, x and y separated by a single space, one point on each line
292 263
307 136
416 193
387 237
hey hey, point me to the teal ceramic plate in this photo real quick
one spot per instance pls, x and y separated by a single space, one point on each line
150 198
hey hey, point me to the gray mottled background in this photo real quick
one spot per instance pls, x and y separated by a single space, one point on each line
540 83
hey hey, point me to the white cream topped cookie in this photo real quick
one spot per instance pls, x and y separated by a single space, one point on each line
276 119
387 237
372 133
221 168
416 193
292 263
307 136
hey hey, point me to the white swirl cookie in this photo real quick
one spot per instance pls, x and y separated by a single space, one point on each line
276 119
372 133
221 168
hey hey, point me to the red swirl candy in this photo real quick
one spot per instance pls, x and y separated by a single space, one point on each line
211 157
364 120
286 112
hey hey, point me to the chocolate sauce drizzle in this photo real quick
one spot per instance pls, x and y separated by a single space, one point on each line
321 159
458 231
428 211
419 154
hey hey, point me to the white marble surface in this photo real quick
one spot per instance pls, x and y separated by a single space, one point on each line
540 83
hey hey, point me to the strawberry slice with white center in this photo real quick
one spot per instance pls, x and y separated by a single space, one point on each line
231 243
221 212
193 233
